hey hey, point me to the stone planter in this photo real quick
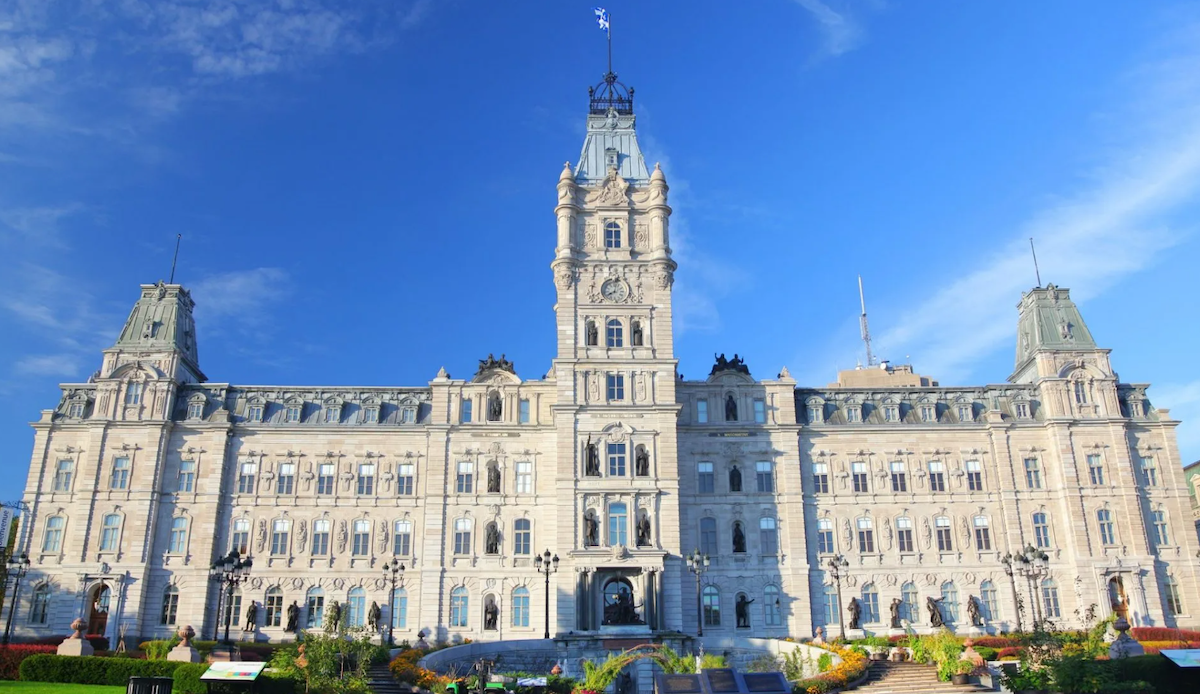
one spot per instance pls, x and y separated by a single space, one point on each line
960 679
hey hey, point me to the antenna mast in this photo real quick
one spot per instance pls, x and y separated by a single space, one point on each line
178 238
862 322
1036 271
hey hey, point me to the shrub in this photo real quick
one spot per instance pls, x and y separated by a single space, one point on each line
996 642
852 667
1166 677
824 662
99 643
11 657
1154 647
1010 653
109 671
1163 634
986 653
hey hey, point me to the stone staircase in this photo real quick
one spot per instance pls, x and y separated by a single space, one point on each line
382 681
885 677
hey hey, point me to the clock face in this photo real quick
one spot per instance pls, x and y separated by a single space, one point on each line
614 290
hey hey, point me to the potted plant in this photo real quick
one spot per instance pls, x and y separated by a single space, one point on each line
961 672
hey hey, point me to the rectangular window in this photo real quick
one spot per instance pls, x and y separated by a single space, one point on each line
1023 410
974 476
870 606
464 481
52 542
187 475
402 538
195 410
1150 471
768 536
983 537
523 415
825 536
859 477
899 477
170 607
927 413
853 413
279 538
524 477
291 414
764 474
325 474
612 235
286 483
366 479
63 474
109 531
937 476
177 542
821 478
945 540
904 535
616 460
706 479
400 610
404 479
830 603
866 536
320 538
462 536
1041 531
74 411
133 394
274 608
616 387
315 618
408 415
520 604
333 415
361 539
891 413
246 478
1033 473
120 473
618 525
816 414
702 412
240 538
1095 470
760 412
522 537
965 414
370 415
708 536
466 411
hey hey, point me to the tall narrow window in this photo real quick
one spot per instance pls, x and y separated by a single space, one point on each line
614 333
366 479
816 414
1108 536
1041 530
246 478
950 602
706 478
859 477
110 532
170 606
832 614
404 479
233 608
1095 470
1022 410
402 538
1080 393
356 605
1033 473
1160 529
1150 472
708 536
908 603
522 536
462 536
466 411
820 478
616 387
711 600
315 602
325 475
760 411
464 481
52 541
989 601
974 475
904 535
524 477
133 396
285 484
945 537
399 611
120 473
240 537
279 537
361 539
701 411
768 536
64 472
40 605
618 525
825 536
459 607
866 536
1050 604
899 477
177 544
937 476
187 475
616 460
320 537
274 607
1171 594
195 409
612 235
983 537
764 475
870 604
772 608
523 411
520 607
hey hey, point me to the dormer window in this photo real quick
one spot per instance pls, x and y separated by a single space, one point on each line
612 235
370 414
333 411
816 413
891 412
408 415
965 413
853 413
1022 410
293 412
196 408
254 413
927 413
1136 409
76 409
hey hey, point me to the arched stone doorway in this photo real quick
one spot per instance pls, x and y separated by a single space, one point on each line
1117 598
619 605
101 597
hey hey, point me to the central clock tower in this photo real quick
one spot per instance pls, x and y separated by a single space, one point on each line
615 369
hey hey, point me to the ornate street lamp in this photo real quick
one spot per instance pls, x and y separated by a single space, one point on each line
546 564
16 568
698 564
1034 565
229 571
392 571
837 568
1008 560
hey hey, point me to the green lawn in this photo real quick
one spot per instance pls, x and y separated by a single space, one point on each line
10 687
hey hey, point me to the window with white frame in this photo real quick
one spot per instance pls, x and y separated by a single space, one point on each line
274 605
170 606
246 476
816 413
1033 473
891 413
1149 471
254 413
866 535
772 607
291 413
1161 538
618 524
133 394
1171 595
853 412
928 412
315 601
974 475
399 611
711 602
870 604
325 479
616 387
466 411
966 413
285 483
820 478
937 476
196 409
1041 530
360 545
760 411
177 543
909 610
614 333
408 415
366 479
405 475
370 414
40 605
899 476
52 539
120 473
904 535
1080 393
462 536
859 477
279 537
1022 410
76 409
989 601
616 460
612 235
187 475
464 480
983 537
110 532
320 537
945 537
1108 534
520 607
708 536
459 607
768 536
1050 604
524 477
522 536
402 538
64 473
825 536
764 476
523 411
1095 469
239 540
705 478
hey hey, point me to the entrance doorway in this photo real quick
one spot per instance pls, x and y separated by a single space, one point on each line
1117 598
98 614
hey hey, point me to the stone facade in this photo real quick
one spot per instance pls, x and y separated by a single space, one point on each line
145 475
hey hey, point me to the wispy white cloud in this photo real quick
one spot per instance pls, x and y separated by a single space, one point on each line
1183 399
240 297
38 225
1113 226
841 32
60 365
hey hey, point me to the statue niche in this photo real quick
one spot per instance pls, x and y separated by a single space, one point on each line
735 479
591 459
739 538
492 539
635 333
491 614
643 530
641 461
493 478
592 334
591 529
495 407
730 408
742 609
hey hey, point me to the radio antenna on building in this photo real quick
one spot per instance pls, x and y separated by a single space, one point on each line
178 238
862 321
1036 271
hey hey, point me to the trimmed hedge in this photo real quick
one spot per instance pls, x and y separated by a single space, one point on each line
114 672
12 656
187 681
1163 634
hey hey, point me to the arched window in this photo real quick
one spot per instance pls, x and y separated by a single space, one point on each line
1041 530
1171 594
274 607
520 607
768 536
356 605
459 607
314 600
618 525
1108 534
170 606
462 536
178 541
945 537
612 235
1080 392
399 612
908 603
870 604
708 536
110 532
52 541
772 608
522 536
950 602
361 545
989 601
614 333
40 605
710 599
1050 604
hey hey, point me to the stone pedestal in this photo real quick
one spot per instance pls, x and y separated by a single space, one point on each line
76 644
185 652
1124 646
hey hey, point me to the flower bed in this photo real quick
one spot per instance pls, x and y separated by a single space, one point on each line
840 676
1155 647
405 669
11 657
1164 634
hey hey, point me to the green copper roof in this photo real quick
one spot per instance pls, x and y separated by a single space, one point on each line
161 320
611 139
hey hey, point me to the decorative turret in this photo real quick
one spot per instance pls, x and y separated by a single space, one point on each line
611 141
1048 322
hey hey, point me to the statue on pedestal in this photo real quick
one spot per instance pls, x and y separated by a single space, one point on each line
293 618
934 606
855 610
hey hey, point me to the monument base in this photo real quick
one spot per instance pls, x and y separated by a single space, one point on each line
184 654
73 646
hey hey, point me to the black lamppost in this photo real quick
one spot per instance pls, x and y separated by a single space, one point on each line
392 571
16 568
1034 565
547 565
836 568
698 564
230 571
1008 560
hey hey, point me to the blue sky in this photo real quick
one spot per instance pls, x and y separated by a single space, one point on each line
366 189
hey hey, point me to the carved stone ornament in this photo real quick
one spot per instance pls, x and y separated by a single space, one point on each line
614 190
930 579
564 277
297 583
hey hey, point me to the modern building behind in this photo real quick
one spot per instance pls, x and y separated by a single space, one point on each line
146 474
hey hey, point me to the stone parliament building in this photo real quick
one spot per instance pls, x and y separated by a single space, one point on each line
146 474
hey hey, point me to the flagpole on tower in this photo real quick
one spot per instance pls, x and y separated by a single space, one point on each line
608 31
